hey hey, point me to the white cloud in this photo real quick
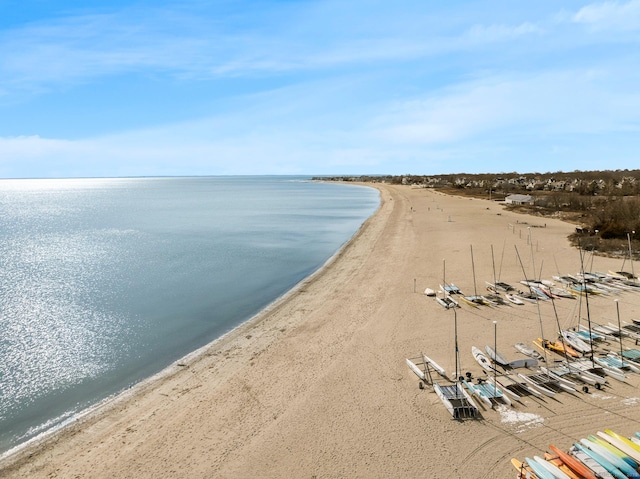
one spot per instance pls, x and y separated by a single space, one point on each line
610 15
499 33
571 102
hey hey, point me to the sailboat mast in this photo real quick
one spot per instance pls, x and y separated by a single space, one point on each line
544 350
619 328
633 274
493 263
455 335
473 268
586 300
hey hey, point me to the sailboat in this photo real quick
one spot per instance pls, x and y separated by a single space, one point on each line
546 382
454 397
446 299
628 276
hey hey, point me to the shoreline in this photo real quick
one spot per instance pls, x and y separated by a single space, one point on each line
318 387
14 456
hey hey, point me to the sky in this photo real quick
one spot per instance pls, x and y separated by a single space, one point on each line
331 87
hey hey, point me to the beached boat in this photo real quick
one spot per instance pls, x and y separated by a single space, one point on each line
553 381
597 332
495 356
513 386
539 293
588 371
457 401
589 336
559 292
414 367
576 342
514 298
429 292
613 366
583 289
562 372
620 363
450 289
499 286
454 397
483 360
539 383
446 301
528 297
610 370
557 347
439 369
527 351
496 300
486 393
631 355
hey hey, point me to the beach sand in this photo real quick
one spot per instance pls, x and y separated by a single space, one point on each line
317 385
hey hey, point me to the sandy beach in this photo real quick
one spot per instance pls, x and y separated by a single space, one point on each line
317 386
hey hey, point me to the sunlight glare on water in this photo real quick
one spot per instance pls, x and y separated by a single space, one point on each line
104 282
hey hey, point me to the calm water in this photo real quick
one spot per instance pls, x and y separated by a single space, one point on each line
104 282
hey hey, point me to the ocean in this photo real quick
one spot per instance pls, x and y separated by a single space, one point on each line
105 282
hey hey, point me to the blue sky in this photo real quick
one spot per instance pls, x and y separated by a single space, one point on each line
123 88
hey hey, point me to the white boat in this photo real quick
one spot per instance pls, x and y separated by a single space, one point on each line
538 383
487 392
429 292
588 371
514 298
499 286
454 397
439 369
446 301
560 375
563 372
561 293
505 387
575 342
416 369
457 401
495 356
589 337
610 369
620 363
450 289
482 360
596 335
527 351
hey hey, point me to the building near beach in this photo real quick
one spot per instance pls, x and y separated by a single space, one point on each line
519 200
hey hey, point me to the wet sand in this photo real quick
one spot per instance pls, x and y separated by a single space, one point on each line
317 385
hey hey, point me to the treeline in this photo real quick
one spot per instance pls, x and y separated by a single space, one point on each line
606 204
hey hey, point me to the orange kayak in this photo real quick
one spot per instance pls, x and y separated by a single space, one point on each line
559 463
574 464
557 347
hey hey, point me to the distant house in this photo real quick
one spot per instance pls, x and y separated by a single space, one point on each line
519 200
